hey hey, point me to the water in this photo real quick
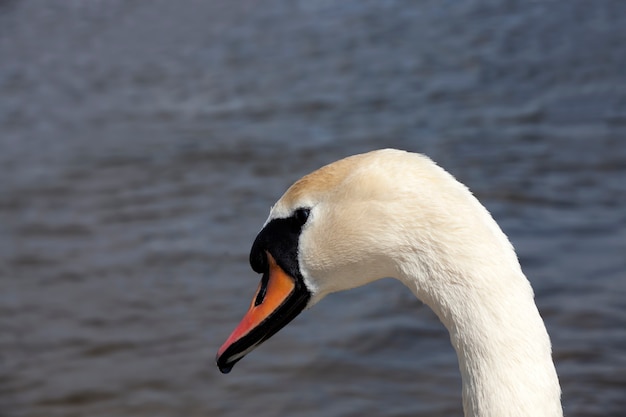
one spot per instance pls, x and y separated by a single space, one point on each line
142 144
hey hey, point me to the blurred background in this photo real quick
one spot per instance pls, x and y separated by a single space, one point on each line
142 144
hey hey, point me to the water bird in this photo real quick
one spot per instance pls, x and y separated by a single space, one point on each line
390 213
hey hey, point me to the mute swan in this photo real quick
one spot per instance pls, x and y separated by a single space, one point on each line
390 213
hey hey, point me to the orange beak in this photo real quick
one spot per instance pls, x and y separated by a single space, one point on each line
278 300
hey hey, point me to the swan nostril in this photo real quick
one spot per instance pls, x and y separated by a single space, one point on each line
260 296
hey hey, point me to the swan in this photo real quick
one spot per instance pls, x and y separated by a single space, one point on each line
391 213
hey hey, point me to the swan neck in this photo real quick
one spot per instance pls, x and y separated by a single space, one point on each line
502 345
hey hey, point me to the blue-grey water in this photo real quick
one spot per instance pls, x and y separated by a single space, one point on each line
142 144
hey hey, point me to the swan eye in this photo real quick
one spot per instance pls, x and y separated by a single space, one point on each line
301 215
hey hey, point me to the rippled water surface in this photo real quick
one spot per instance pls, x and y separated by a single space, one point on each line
142 144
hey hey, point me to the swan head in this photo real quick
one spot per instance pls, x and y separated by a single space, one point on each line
359 219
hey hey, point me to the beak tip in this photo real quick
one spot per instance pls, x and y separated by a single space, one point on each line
224 365
226 369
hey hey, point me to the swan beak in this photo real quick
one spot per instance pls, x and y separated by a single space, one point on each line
278 300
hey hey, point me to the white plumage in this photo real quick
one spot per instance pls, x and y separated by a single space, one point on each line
390 213
395 214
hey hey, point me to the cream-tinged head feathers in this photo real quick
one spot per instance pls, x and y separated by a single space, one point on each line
371 211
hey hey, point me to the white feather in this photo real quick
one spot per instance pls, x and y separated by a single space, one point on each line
390 213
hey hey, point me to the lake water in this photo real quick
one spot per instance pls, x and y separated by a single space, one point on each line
142 144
